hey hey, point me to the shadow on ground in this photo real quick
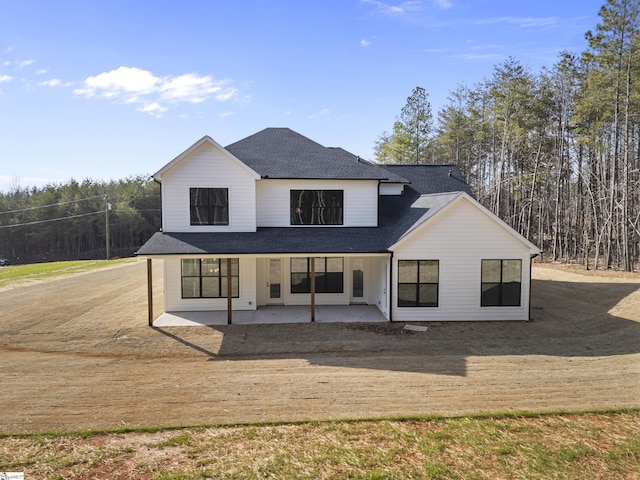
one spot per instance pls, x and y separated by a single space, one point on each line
569 319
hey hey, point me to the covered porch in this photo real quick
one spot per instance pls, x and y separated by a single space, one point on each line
274 314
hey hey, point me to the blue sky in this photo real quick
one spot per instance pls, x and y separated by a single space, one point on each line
110 89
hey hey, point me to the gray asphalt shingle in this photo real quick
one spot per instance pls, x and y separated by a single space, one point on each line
283 153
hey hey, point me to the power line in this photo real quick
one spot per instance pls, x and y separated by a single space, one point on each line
51 220
53 204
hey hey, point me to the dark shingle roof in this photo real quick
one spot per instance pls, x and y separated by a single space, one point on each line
283 153
271 240
427 179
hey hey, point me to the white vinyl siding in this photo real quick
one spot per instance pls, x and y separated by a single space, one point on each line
173 301
208 167
274 201
460 238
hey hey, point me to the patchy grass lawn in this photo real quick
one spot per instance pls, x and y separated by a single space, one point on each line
593 446
20 274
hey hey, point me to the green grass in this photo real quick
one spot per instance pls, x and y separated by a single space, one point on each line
16 274
554 446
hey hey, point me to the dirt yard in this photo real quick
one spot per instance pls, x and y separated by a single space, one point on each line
76 354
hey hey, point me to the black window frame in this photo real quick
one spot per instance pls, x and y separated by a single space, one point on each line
417 284
205 208
316 207
504 291
300 280
220 275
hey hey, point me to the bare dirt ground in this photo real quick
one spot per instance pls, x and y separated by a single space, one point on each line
76 354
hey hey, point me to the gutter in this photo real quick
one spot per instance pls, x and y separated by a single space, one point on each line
389 293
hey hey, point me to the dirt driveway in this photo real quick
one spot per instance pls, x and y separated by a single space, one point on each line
76 354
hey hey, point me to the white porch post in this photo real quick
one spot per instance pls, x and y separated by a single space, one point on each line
150 292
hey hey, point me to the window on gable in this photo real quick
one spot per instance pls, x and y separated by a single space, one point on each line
209 206
501 283
208 278
329 275
317 207
418 283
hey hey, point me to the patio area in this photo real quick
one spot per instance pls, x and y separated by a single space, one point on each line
274 314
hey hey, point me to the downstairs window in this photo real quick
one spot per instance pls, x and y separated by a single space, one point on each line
501 283
207 278
418 283
329 274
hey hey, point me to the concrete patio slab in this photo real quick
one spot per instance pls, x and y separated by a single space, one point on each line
274 315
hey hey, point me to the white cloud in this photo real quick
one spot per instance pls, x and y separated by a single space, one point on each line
520 21
396 10
446 4
225 114
42 71
154 109
135 85
322 113
364 43
5 78
24 63
55 82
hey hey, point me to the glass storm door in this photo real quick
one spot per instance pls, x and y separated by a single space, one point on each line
357 280
274 281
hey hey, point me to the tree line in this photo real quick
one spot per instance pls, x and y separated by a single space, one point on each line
555 154
78 220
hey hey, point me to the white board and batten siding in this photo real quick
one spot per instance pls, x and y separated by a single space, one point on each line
460 240
208 167
173 301
360 200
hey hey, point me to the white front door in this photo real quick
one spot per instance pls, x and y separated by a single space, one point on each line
274 281
357 280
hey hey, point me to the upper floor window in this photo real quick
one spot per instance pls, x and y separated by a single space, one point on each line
209 206
317 207
418 283
501 283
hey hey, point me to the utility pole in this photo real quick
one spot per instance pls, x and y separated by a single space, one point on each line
106 229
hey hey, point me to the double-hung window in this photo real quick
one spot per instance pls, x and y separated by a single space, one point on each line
208 278
418 283
209 206
501 283
329 275
317 207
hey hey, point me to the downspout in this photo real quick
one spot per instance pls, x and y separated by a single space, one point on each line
389 293
531 257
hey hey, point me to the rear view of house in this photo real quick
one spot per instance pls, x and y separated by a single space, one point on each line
278 219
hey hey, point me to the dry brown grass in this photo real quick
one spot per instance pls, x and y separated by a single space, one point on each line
594 446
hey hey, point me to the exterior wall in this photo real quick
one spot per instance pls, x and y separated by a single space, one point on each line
360 200
391 188
209 167
173 301
460 239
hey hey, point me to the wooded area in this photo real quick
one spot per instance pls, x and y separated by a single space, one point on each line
554 154
73 220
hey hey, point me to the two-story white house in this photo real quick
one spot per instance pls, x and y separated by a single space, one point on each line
278 219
